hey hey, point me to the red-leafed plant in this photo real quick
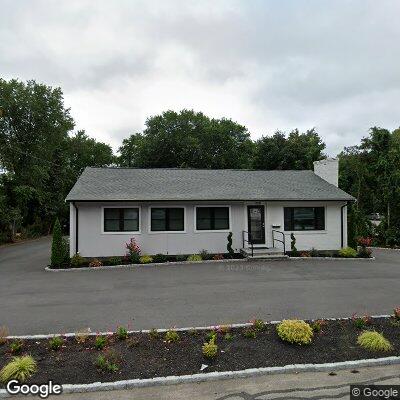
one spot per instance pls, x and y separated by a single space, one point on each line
133 251
396 313
364 241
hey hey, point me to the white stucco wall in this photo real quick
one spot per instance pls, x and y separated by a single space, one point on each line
94 243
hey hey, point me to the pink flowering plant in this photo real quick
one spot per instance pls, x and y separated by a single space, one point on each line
133 251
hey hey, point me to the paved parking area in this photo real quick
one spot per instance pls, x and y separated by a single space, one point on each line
35 301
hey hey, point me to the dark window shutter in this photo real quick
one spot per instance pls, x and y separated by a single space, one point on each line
319 218
288 218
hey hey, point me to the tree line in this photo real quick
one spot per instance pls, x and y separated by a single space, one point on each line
41 156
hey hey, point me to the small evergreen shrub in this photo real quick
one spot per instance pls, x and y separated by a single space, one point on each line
318 325
76 260
229 248
361 322
295 331
55 343
181 257
122 333
205 255
194 257
100 342
172 336
374 341
114 261
210 349
145 259
160 258
314 252
228 337
293 248
347 252
20 368
258 325
249 333
108 361
211 335
16 346
59 249
153 333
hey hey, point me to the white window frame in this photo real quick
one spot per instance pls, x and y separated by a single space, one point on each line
212 230
164 206
138 232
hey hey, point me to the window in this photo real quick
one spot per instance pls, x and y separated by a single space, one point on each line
304 218
167 219
121 219
212 218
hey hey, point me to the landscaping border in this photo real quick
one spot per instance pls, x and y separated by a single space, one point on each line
172 263
211 376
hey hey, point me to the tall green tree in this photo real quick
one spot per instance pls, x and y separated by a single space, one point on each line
294 151
188 139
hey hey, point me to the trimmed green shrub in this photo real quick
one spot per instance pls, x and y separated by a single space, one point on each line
250 333
153 333
295 331
374 341
122 333
172 336
16 346
347 252
114 261
59 249
20 368
293 248
363 252
181 257
108 361
100 342
211 335
55 343
160 258
258 325
77 260
194 257
145 259
210 349
229 245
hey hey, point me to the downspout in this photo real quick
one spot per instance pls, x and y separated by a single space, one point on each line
342 224
76 227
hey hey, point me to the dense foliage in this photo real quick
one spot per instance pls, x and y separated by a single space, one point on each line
41 157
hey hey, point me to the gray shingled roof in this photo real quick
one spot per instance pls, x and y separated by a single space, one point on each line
97 184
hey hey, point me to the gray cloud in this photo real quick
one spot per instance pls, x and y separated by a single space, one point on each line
333 65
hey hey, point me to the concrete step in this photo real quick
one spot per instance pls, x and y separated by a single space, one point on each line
264 253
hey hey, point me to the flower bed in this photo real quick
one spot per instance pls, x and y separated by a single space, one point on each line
121 356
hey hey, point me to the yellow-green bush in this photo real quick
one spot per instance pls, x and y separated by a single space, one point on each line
347 252
145 259
374 341
210 349
172 336
295 331
20 368
194 257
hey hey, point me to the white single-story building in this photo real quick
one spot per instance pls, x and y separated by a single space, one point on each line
183 211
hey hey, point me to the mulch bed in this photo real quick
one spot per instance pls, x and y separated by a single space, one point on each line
144 357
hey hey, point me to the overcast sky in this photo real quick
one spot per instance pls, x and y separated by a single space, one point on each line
333 65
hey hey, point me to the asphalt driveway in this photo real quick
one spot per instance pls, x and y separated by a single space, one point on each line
35 301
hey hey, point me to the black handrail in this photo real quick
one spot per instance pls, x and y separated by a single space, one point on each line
249 241
278 240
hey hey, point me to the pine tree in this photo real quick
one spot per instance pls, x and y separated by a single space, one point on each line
58 247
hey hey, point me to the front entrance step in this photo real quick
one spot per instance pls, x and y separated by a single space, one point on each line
271 253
